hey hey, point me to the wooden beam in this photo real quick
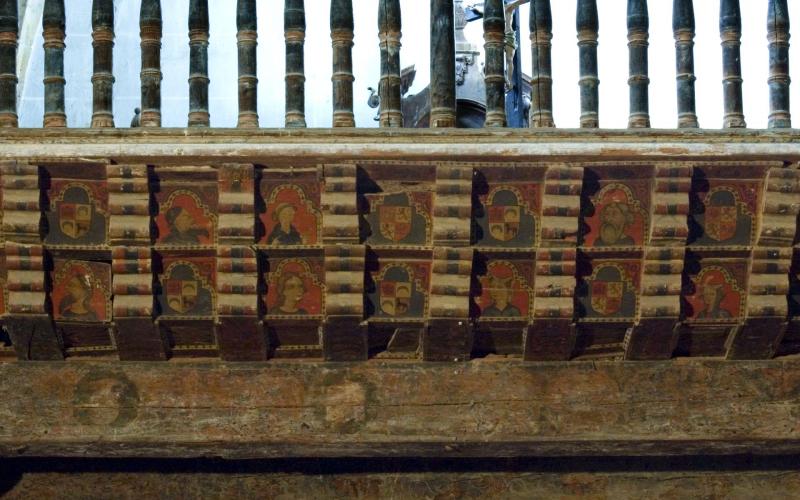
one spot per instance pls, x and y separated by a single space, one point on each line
443 65
479 409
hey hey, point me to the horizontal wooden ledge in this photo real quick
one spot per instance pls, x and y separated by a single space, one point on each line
490 409
314 145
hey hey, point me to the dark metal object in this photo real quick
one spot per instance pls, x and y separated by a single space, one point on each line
638 81
247 41
103 77
730 30
443 65
587 24
342 43
389 90
541 25
53 32
778 37
150 31
683 30
294 32
494 35
9 31
198 64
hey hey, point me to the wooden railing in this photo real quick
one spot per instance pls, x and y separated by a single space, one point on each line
442 43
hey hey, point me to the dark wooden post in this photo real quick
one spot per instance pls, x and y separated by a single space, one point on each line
778 37
683 30
9 30
247 40
53 26
389 33
294 32
494 31
541 25
150 35
342 78
103 77
588 25
730 31
638 81
443 64
198 64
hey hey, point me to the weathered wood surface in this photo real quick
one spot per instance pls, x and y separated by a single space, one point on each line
730 31
53 32
683 29
778 38
198 63
541 26
9 32
282 146
389 33
494 27
443 65
294 33
342 45
487 408
638 80
150 29
766 485
247 41
103 76
588 25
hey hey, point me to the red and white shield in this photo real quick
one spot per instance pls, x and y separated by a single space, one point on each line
395 222
182 295
395 298
504 222
720 222
607 296
75 219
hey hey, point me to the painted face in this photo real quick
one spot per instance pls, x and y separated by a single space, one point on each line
286 216
500 296
184 221
614 216
293 290
710 294
76 290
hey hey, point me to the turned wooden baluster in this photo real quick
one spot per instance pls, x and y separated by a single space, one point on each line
638 81
494 31
342 78
389 90
588 25
9 31
150 36
683 31
730 30
198 64
294 32
53 26
778 37
443 64
541 25
247 40
103 77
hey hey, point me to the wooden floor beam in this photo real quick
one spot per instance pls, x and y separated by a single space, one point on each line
482 408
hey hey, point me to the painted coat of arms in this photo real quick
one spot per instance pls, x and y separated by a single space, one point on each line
611 290
187 287
506 217
186 217
78 214
401 290
399 219
295 287
506 291
292 215
726 216
81 291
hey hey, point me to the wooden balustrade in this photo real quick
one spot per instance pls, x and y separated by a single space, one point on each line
198 64
683 30
446 75
53 32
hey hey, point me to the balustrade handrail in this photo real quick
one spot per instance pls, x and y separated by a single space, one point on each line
442 97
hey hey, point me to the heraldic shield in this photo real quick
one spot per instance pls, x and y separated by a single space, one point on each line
184 292
76 217
395 297
611 293
721 216
395 222
504 222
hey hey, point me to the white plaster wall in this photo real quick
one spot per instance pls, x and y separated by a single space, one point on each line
223 65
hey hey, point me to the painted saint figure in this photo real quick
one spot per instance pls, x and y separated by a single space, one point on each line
284 232
501 291
291 290
183 228
712 294
76 303
615 218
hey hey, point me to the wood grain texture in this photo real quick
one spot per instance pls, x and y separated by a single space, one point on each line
371 410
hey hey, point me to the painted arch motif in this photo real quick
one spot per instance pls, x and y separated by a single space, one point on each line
717 296
508 219
186 291
296 288
78 214
506 294
292 216
81 291
618 219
